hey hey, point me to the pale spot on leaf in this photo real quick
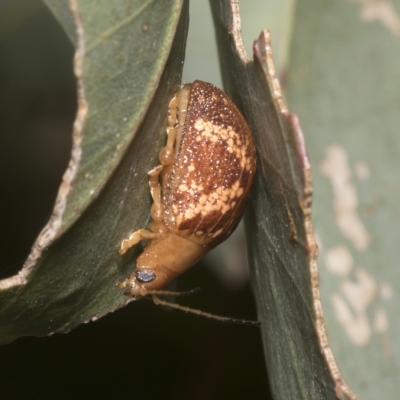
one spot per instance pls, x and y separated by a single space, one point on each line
382 11
381 323
357 327
335 167
338 260
386 291
360 293
361 170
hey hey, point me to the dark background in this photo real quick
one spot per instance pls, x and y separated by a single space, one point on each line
140 351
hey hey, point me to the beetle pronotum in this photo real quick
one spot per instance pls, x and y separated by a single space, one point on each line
199 190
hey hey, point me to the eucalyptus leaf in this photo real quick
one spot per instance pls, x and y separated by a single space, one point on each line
280 237
62 11
128 63
343 80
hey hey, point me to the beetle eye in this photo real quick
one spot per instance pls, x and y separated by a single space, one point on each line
145 276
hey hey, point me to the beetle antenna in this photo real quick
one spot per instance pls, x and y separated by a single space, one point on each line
174 294
160 302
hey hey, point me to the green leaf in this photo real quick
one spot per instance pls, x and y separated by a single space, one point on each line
128 63
62 11
343 80
280 237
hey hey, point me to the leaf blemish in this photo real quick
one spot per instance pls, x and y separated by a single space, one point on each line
335 167
382 11
355 297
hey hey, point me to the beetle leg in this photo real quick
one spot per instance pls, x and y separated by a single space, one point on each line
172 110
156 213
166 156
167 152
155 189
136 237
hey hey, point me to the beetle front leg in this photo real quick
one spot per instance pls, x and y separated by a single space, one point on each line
156 214
155 190
136 237
166 154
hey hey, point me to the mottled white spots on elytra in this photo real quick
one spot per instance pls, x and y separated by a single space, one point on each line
199 125
214 138
219 200
194 186
234 144
203 199
179 219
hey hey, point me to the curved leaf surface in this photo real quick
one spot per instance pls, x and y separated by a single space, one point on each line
343 80
280 236
128 62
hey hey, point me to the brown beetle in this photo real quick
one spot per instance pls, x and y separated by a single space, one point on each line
199 190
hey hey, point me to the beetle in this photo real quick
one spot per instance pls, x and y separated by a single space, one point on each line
199 190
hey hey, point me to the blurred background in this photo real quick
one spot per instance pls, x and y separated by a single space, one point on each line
140 351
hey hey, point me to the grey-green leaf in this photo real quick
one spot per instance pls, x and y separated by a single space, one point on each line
62 11
343 80
280 237
129 61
